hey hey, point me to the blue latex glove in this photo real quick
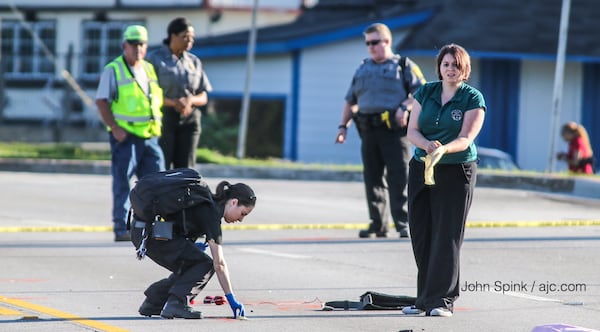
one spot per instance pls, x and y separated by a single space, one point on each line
201 245
238 308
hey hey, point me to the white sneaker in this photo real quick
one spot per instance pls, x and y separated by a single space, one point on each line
440 312
412 310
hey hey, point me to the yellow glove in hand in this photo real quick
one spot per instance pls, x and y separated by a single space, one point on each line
437 154
430 161
428 170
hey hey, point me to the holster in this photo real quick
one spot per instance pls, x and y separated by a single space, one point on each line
361 124
367 122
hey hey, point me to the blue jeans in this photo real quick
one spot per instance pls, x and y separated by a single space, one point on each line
134 156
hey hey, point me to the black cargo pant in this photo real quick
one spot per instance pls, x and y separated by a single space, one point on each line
437 216
191 268
385 154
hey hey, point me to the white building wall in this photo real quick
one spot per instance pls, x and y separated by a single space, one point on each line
325 75
233 20
68 25
271 75
535 116
27 104
230 21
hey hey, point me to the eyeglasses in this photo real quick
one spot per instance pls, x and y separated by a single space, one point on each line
372 42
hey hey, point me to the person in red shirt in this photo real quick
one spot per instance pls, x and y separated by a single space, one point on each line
580 156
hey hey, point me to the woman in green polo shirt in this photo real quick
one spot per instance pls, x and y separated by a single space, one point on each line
448 115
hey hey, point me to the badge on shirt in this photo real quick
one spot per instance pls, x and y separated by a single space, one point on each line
456 115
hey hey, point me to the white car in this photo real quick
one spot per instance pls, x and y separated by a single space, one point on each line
495 159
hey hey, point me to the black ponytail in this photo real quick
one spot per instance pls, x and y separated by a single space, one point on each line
240 191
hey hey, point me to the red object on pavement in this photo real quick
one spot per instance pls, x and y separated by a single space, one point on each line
220 300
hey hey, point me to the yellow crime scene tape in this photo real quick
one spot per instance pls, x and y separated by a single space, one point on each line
275 227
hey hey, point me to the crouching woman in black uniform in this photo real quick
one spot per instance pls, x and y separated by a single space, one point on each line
192 268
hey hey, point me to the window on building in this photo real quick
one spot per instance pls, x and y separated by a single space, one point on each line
101 43
28 49
264 139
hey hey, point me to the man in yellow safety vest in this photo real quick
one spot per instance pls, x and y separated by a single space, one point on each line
129 100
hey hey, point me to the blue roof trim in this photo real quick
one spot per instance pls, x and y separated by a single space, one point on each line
509 56
308 41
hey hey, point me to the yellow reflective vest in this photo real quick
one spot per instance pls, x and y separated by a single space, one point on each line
133 110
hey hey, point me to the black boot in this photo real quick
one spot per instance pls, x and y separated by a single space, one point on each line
402 228
365 233
404 233
150 309
376 229
175 308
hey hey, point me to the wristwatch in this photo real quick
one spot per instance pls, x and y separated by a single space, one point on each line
342 126
403 108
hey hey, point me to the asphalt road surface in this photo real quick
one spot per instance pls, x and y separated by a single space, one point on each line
529 259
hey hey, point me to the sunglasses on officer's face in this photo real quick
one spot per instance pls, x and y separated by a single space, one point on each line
372 42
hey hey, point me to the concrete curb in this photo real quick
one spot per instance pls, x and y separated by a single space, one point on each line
54 166
587 187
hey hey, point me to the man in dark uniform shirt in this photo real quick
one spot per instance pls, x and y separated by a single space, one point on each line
379 100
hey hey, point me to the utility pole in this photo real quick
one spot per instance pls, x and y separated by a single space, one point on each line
241 148
558 80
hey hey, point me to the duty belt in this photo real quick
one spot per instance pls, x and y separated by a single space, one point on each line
375 120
